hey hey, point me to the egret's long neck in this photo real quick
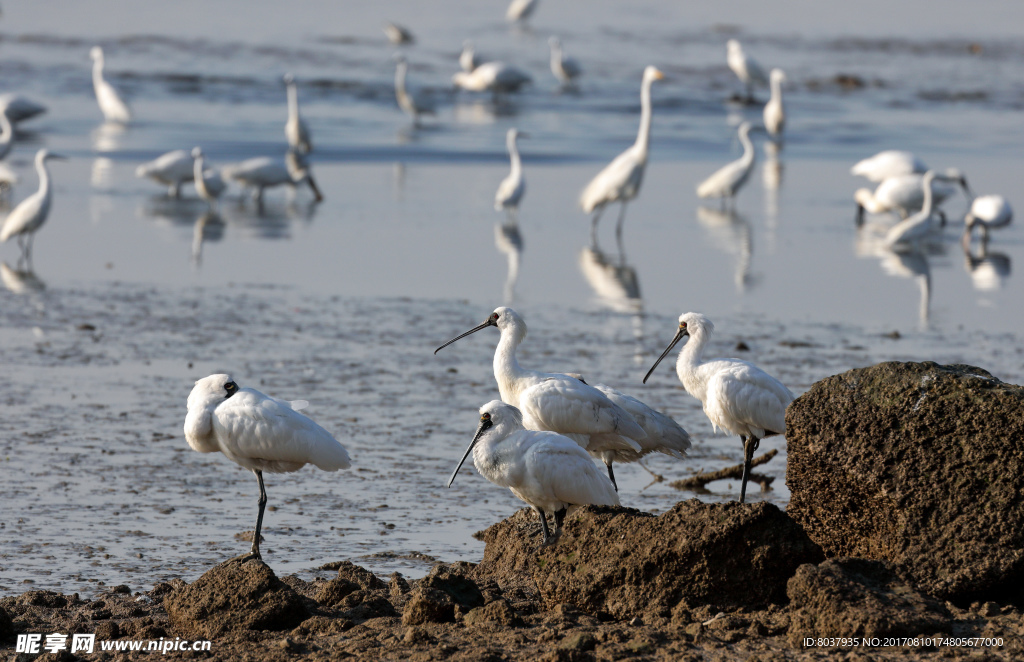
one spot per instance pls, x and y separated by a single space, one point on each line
513 152
400 78
97 72
44 178
776 85
507 371
926 208
643 137
197 170
748 154
293 101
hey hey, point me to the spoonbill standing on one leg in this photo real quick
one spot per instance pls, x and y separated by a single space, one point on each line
114 108
257 432
620 180
31 213
295 129
737 396
548 471
553 401
725 182
512 188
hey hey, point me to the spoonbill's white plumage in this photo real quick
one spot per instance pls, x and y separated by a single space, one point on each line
987 212
620 180
730 178
548 471
111 104
904 195
30 214
553 401
496 77
413 105
889 163
209 183
737 396
775 109
295 128
914 229
565 68
398 34
171 169
511 189
257 432
520 10
745 67
19 108
264 172
468 59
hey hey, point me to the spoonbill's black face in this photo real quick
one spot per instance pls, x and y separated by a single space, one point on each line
230 388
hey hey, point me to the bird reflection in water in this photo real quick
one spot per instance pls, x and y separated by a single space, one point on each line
904 262
481 111
988 270
617 288
21 279
731 233
208 227
771 177
107 137
509 242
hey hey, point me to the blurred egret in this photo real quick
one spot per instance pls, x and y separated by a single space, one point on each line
565 69
548 471
114 109
264 172
737 396
775 110
30 214
745 67
620 180
511 189
468 59
903 194
209 183
520 10
257 432
171 169
730 178
988 212
916 228
497 77
295 129
552 401
414 105
886 164
19 108
398 34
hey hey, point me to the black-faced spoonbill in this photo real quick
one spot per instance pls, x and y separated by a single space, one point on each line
264 172
737 396
512 188
171 169
553 401
725 182
620 180
295 128
30 214
987 212
111 104
745 67
548 471
257 432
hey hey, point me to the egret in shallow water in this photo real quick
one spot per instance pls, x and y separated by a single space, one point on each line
30 214
565 68
264 172
620 180
730 178
915 229
257 432
904 194
19 108
209 183
398 34
414 105
548 471
496 77
737 396
171 169
114 108
775 109
520 10
745 67
468 59
295 128
511 189
988 212
889 163
553 401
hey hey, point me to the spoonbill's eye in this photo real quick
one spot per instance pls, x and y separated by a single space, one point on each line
231 387
494 317
682 326
485 417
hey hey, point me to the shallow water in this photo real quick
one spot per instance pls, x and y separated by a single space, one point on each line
134 295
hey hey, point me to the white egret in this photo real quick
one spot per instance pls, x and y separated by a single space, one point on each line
6 135
19 108
209 183
295 129
497 77
565 69
468 59
620 180
552 401
520 10
114 108
918 227
30 214
414 105
737 396
257 432
263 172
548 471
171 169
511 189
775 110
988 212
745 67
903 194
730 178
889 163
398 34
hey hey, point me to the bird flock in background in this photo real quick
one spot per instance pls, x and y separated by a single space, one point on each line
540 438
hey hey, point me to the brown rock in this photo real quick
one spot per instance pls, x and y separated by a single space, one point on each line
625 563
333 592
499 612
859 598
919 464
359 575
6 626
234 596
453 579
428 605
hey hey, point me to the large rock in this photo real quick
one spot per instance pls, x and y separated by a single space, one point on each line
232 597
919 464
859 598
624 563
